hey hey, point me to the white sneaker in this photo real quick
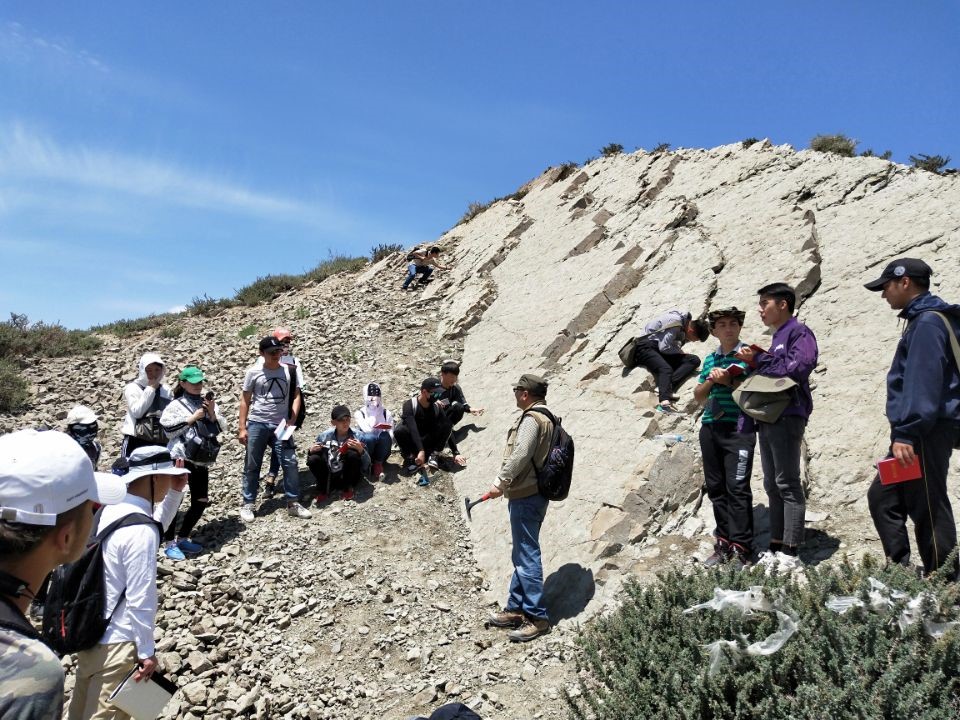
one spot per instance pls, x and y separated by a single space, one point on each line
297 510
246 512
433 461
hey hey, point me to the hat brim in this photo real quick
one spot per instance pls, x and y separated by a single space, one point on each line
143 472
110 489
876 284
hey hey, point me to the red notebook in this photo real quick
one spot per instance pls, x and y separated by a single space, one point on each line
892 472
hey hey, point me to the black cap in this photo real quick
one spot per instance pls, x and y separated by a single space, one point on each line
339 412
430 383
899 268
373 389
270 343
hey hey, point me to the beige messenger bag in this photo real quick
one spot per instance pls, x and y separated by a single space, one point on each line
764 398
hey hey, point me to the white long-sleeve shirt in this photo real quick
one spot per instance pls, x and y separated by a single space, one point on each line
130 562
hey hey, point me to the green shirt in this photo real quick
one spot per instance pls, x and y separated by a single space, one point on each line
721 396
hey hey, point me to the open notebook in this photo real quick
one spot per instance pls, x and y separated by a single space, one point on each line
143 700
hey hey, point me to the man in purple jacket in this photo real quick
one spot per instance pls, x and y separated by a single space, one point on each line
793 353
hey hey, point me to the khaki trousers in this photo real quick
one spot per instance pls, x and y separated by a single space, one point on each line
99 670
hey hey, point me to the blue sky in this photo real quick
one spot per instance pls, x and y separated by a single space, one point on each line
153 152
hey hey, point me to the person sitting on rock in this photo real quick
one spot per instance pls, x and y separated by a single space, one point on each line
285 336
454 404
660 351
375 425
423 429
189 419
727 440
338 459
146 397
422 262
82 426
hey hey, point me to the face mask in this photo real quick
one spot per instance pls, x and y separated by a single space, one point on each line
374 401
83 432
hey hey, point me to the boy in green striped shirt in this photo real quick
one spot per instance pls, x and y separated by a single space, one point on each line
727 440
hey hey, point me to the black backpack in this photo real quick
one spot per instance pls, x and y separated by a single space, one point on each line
553 478
73 614
200 442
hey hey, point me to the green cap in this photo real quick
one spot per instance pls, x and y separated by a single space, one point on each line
191 374
533 384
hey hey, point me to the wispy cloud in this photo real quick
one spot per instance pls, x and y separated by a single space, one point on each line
28 155
19 43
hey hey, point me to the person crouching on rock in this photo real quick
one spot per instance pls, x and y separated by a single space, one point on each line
374 424
660 351
422 262
423 429
338 460
192 422
146 398
454 404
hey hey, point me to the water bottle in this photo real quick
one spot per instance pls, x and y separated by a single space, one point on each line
669 439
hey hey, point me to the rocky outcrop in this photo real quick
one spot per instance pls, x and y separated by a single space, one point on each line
555 283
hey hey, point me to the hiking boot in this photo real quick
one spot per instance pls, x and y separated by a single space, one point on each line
173 552
322 498
505 618
189 547
721 553
742 560
530 629
377 474
434 461
348 494
297 510
246 512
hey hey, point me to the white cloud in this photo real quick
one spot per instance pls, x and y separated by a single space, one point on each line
177 309
20 43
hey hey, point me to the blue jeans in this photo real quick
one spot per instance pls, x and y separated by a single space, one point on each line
526 585
275 453
259 436
413 269
378 443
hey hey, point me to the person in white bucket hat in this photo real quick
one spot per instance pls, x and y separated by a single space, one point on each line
48 492
130 581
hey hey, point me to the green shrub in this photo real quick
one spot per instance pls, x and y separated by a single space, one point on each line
748 142
301 313
885 155
379 252
206 306
266 288
14 391
661 147
20 339
930 163
611 149
473 209
836 144
126 328
648 659
171 331
333 265
249 330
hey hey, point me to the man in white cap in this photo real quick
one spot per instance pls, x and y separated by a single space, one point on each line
47 493
130 582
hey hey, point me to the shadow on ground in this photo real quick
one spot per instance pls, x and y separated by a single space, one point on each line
567 590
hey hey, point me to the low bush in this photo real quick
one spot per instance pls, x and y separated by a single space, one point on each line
301 313
14 390
20 339
379 252
128 327
661 147
930 163
249 330
171 331
885 155
748 142
473 209
206 306
611 149
333 265
650 660
837 144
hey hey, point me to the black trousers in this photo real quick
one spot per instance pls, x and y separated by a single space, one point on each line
669 370
727 464
199 481
433 441
454 413
348 477
925 501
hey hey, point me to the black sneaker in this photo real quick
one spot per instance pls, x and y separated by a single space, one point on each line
721 553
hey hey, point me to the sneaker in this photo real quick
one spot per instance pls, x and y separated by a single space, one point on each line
424 480
322 498
269 490
668 409
410 467
505 618
348 494
530 629
189 547
297 510
173 552
378 474
246 512
721 553
433 461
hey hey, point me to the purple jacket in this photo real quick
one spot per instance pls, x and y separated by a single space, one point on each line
793 354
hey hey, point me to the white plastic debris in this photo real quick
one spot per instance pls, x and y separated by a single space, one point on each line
882 600
747 602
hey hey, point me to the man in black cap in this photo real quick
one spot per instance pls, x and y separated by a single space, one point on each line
528 443
423 429
923 408
338 460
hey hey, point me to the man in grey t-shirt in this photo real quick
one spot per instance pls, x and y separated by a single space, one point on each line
270 395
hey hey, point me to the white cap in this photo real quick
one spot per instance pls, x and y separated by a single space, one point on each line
81 415
43 474
150 460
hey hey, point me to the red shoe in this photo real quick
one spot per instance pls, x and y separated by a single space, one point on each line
348 494
377 473
321 498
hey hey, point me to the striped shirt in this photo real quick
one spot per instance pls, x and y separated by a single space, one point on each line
721 396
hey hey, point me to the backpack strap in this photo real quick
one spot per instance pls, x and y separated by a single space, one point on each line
137 518
553 421
953 338
12 619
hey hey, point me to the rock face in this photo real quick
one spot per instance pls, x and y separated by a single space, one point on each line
556 281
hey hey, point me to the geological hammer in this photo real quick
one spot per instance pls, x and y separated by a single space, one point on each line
469 505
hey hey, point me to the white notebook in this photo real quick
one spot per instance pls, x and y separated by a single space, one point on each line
143 700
